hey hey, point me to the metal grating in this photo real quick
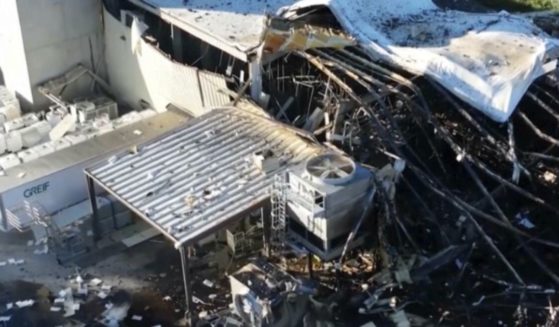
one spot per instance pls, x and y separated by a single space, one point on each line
201 176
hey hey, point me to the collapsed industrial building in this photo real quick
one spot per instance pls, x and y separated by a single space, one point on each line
363 163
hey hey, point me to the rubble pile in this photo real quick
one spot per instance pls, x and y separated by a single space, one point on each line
431 196
468 235
86 300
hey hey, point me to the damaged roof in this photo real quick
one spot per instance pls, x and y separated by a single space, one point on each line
104 145
234 26
487 60
202 175
462 51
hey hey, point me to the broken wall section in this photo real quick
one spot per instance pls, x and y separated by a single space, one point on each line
141 74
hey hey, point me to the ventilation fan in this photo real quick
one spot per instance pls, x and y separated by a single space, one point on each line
331 168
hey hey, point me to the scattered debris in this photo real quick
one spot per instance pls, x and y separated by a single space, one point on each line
25 303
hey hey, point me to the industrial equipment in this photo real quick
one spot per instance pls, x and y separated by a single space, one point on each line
258 288
324 198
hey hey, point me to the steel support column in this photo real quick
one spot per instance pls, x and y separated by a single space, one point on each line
185 254
3 215
266 217
94 210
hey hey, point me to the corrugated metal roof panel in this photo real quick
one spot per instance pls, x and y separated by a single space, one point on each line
198 177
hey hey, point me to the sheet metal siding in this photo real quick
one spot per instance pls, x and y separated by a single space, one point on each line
211 86
171 81
201 175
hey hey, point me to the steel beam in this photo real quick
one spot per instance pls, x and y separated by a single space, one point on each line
94 210
266 217
185 253
3 215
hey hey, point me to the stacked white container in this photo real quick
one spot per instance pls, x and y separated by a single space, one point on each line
9 161
9 105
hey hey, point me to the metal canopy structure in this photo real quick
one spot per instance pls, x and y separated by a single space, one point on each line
235 27
48 167
194 180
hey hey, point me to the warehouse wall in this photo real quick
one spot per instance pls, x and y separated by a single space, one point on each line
56 191
57 194
47 38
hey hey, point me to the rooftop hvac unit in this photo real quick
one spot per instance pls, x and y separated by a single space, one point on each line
9 105
325 195
92 109
256 289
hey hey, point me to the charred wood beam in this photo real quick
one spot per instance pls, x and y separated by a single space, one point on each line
507 154
537 131
320 64
427 181
382 130
543 105
542 156
505 219
445 134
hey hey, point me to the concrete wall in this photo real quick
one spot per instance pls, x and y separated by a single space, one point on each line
13 63
53 36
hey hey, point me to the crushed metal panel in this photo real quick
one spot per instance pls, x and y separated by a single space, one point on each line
200 176
214 89
283 36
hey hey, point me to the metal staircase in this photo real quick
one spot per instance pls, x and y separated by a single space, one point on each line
40 217
279 209
67 243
